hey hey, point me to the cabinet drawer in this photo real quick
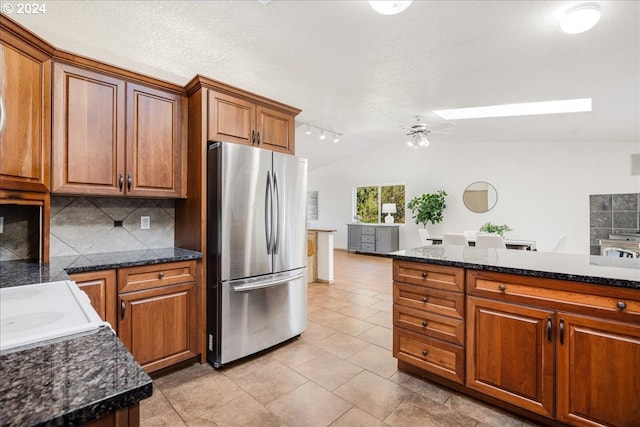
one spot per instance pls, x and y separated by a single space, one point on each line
368 246
435 276
434 325
431 300
555 294
368 238
153 276
429 354
368 230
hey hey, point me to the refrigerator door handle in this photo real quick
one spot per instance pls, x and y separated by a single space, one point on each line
276 238
268 200
265 284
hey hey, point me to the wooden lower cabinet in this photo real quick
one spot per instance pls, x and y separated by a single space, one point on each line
158 317
510 353
125 417
598 373
100 287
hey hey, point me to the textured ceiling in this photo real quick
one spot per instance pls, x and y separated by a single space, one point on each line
363 74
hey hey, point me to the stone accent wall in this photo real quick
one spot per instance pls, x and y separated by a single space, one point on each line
86 225
612 213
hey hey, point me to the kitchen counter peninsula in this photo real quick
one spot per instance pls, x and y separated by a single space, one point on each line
69 381
530 332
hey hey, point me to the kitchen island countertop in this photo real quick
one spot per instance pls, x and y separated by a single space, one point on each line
622 272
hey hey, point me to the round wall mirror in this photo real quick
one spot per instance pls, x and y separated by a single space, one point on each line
480 197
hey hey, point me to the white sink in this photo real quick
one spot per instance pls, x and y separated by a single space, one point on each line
33 313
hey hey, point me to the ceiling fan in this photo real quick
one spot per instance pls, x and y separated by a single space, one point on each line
419 131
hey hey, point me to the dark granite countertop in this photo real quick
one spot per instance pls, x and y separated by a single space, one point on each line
623 272
17 273
69 381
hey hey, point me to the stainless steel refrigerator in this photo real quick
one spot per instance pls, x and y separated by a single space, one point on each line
256 250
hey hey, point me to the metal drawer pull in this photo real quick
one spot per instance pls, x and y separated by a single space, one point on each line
425 299
123 306
424 274
425 323
561 331
621 305
549 328
425 352
161 274
502 288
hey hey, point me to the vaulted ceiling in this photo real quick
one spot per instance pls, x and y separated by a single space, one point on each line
365 75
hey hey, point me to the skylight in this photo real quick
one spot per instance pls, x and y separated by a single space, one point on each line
521 109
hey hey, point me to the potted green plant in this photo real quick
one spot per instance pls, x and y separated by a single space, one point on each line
495 229
428 208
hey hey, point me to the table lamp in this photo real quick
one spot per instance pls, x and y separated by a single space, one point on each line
388 208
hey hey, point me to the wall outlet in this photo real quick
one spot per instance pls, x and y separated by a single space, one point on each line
145 222
1 224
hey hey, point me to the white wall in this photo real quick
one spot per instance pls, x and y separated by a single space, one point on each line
543 189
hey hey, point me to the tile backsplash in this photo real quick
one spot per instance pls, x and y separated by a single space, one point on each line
20 237
612 213
86 225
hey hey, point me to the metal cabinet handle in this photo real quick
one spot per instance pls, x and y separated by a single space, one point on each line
425 299
621 305
549 328
561 331
425 352
258 138
121 182
253 137
424 323
129 181
502 288
161 274
123 307
424 274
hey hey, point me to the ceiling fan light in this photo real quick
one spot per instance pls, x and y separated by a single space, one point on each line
389 7
581 18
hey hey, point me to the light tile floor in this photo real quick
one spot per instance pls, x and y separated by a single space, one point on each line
340 372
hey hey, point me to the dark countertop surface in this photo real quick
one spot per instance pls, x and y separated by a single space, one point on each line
17 273
79 378
69 381
622 272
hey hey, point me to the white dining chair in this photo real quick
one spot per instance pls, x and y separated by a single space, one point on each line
490 241
456 239
560 244
424 237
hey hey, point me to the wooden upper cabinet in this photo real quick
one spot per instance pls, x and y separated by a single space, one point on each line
231 119
276 129
234 119
25 99
115 138
88 132
156 142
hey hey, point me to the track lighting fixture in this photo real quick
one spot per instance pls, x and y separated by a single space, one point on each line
335 136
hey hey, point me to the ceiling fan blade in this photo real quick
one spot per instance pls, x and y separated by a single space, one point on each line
439 132
442 125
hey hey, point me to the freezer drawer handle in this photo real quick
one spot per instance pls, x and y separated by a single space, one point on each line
253 286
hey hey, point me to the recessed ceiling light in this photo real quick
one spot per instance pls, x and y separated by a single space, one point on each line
389 7
522 109
580 18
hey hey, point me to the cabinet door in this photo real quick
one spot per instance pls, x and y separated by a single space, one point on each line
598 372
275 129
510 353
88 132
231 119
156 143
100 287
158 326
355 238
386 239
25 138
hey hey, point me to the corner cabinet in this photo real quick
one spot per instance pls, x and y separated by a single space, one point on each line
25 110
373 238
243 120
112 137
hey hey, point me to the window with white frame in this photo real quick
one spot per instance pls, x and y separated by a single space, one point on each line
368 202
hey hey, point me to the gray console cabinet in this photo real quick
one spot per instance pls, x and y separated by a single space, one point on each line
373 238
